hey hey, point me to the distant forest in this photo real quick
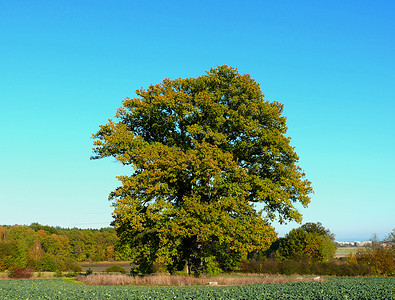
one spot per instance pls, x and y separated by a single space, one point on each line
49 248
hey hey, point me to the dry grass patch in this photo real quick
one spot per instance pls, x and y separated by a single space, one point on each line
220 280
103 279
179 280
169 280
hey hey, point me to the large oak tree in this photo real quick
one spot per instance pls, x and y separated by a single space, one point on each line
203 153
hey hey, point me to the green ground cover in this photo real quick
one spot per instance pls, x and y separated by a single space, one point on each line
347 250
335 288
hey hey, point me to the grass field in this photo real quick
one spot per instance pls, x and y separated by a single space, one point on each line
335 288
344 251
349 249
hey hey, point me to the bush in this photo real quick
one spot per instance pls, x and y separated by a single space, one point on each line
379 258
159 268
47 263
211 266
72 265
20 273
289 267
58 274
11 273
266 266
71 274
351 259
115 269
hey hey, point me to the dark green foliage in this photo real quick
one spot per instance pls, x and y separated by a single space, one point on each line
47 263
115 269
8 253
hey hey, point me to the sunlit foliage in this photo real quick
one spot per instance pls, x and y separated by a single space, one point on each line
202 152
310 241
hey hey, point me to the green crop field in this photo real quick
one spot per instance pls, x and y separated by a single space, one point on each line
335 288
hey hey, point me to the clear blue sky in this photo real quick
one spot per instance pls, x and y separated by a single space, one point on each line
65 67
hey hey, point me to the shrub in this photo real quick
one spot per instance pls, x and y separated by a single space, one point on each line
211 266
351 259
72 265
11 273
115 269
47 263
58 273
159 268
254 266
71 274
289 267
20 273
270 267
380 259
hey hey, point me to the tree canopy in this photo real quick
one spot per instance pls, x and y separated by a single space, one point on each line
311 241
318 228
203 153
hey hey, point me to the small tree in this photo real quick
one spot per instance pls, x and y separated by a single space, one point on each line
351 259
203 152
310 241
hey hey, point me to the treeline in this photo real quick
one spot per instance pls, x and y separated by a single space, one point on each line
46 248
310 249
